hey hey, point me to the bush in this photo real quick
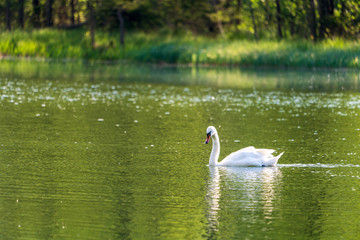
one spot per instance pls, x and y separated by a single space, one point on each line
183 48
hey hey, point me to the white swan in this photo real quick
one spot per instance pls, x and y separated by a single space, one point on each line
246 157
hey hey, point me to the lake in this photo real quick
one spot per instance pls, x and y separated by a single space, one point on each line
116 151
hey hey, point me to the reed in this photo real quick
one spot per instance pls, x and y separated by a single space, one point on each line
185 49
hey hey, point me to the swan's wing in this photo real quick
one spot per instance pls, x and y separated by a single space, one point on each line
247 149
245 153
251 152
249 156
265 152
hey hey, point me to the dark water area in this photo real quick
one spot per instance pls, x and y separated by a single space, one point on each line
116 151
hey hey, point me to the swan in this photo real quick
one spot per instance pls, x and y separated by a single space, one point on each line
246 157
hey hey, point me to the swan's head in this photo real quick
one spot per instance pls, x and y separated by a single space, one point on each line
210 131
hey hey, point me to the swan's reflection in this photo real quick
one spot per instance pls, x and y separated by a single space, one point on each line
244 187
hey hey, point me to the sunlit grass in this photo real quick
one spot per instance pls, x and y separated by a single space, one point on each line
186 49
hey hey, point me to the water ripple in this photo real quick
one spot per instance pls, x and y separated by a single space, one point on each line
319 165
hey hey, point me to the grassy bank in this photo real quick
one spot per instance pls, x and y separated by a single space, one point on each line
75 44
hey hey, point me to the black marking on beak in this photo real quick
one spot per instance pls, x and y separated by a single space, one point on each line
208 135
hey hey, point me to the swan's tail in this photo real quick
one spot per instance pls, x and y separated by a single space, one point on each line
273 161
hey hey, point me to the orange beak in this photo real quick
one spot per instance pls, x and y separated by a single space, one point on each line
207 138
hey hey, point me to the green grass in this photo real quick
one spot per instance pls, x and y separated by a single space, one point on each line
141 47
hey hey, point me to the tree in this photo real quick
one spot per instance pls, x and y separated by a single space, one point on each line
72 14
312 20
49 15
348 24
326 12
238 13
36 13
91 21
8 15
121 7
62 12
218 15
279 19
21 13
316 19
268 12
253 20
121 25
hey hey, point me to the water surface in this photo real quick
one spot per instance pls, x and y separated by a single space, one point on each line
115 151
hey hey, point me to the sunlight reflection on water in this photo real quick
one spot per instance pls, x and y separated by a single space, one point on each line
233 100
248 187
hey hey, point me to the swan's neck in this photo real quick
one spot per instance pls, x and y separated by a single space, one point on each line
215 152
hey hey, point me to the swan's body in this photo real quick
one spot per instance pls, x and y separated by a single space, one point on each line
246 157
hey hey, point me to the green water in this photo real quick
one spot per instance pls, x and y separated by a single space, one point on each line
111 151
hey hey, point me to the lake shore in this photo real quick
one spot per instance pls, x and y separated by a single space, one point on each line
74 45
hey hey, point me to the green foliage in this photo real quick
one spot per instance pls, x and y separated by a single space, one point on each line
181 49
301 19
57 44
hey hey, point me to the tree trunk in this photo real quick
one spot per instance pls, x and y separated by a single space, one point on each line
21 14
326 11
91 22
220 27
36 13
292 24
49 13
253 21
122 26
331 7
312 20
78 12
268 13
8 15
238 13
78 18
72 16
322 21
279 19
218 21
62 11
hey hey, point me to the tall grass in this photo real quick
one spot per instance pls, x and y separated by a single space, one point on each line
187 49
